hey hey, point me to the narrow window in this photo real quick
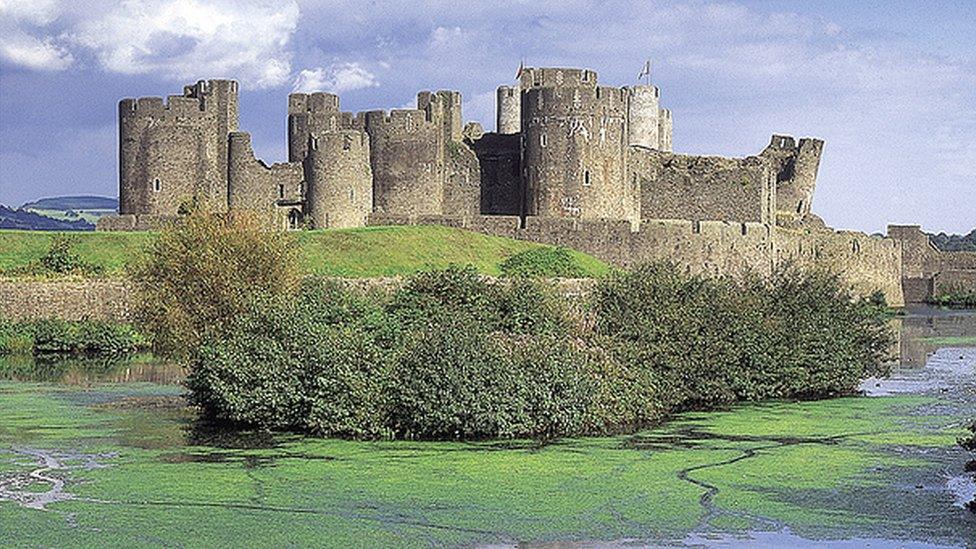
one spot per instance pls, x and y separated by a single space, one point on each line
315 144
281 191
346 143
543 140
586 178
352 195
157 185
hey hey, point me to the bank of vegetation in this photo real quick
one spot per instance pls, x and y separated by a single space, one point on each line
453 355
90 338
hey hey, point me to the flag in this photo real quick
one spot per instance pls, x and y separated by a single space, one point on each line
520 69
646 71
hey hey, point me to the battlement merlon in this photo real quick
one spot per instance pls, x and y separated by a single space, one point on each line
349 141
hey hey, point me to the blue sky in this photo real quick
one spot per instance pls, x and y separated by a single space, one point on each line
891 86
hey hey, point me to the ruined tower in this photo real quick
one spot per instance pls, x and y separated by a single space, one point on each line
309 113
796 164
174 153
664 130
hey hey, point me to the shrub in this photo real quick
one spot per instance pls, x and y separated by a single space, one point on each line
956 298
88 337
969 442
715 341
452 355
457 381
59 259
204 271
545 261
15 339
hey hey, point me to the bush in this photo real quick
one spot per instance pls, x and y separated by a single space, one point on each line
450 355
202 272
544 261
87 337
712 342
969 442
59 259
956 298
15 339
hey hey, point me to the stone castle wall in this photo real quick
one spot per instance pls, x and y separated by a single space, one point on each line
703 187
713 248
257 187
87 299
927 271
500 162
867 263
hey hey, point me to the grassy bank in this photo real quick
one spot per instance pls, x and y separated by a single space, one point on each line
365 252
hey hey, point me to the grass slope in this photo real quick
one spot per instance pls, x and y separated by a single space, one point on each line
365 252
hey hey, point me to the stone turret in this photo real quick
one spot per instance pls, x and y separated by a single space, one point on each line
339 179
509 110
643 105
796 164
174 152
574 146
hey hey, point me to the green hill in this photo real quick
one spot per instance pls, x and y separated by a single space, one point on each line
64 203
73 208
365 252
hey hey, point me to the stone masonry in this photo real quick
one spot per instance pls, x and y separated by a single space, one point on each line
571 162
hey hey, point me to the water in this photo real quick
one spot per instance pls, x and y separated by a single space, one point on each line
107 454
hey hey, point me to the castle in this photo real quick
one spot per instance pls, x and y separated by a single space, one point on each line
571 162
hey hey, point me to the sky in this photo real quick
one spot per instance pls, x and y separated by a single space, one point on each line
890 86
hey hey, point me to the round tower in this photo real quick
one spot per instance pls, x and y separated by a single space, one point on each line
339 182
643 103
573 155
509 110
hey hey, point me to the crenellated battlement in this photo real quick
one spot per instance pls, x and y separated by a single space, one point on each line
556 77
399 121
317 102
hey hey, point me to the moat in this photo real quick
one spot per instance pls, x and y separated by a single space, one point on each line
96 454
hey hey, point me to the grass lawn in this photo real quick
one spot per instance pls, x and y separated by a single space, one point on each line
363 252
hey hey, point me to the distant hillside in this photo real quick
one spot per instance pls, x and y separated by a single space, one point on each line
954 242
30 221
65 203
73 208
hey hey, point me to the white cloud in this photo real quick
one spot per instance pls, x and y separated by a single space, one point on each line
34 53
185 39
337 78
24 41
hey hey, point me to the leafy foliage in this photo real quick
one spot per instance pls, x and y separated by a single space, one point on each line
453 355
86 337
956 299
206 269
